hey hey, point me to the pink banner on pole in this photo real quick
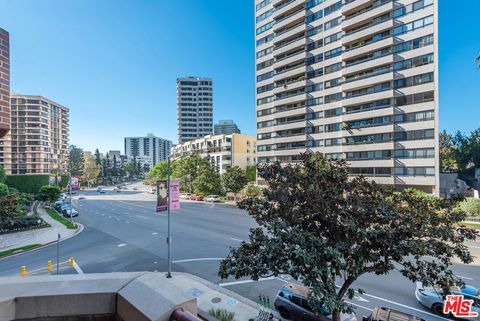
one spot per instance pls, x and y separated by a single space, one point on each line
74 182
51 180
174 194
59 179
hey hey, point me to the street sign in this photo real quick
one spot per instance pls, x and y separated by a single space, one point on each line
51 180
174 194
162 195
74 182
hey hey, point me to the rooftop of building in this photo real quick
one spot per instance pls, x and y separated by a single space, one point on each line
15 95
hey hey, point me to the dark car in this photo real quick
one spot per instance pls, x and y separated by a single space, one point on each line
386 314
291 302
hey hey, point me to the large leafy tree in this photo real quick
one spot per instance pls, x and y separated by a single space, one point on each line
75 160
8 209
49 193
448 161
468 149
91 170
158 172
478 61
187 169
208 181
234 180
4 190
251 173
325 228
131 168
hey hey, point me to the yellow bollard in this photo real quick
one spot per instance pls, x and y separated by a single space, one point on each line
49 265
71 261
24 270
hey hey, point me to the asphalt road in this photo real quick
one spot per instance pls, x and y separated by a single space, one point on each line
123 233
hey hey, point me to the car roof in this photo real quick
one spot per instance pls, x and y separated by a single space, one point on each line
386 314
297 289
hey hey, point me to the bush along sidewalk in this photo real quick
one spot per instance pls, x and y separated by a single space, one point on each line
54 214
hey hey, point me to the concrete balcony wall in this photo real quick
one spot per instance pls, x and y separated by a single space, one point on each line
358 20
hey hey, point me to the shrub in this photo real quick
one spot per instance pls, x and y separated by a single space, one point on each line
4 190
471 206
252 191
221 314
32 183
49 193
22 223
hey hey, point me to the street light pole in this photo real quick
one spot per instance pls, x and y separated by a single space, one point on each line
169 237
70 189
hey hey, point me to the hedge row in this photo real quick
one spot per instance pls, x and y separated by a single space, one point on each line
32 183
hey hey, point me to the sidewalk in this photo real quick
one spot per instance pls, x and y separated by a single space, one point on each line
38 236
210 296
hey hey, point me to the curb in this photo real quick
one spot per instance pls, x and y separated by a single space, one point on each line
78 231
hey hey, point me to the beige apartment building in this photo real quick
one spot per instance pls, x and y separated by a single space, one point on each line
38 136
353 79
224 151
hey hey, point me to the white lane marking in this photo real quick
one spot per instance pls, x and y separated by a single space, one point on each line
141 216
128 222
473 247
155 262
238 240
109 216
359 298
202 259
77 267
118 219
404 306
464 277
246 281
154 233
358 305
121 245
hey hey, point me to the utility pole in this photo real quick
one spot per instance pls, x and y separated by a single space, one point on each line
58 251
70 189
169 236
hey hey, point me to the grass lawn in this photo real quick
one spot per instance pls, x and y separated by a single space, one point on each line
477 225
61 219
23 248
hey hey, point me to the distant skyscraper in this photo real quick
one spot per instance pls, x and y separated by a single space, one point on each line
38 136
151 148
355 80
194 108
226 127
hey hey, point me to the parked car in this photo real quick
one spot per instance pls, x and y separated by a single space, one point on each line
99 188
212 198
67 213
196 198
291 302
185 196
432 298
102 191
387 314
58 205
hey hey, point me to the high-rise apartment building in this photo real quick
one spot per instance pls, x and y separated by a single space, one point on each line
4 83
38 137
5 151
194 108
226 127
149 149
353 79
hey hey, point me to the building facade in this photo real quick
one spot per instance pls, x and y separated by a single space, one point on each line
194 108
226 127
39 135
150 149
4 83
352 79
223 151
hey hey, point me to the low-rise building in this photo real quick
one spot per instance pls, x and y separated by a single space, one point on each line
224 151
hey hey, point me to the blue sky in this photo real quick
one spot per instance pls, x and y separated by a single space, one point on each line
115 62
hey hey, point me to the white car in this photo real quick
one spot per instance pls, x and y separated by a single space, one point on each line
432 298
185 196
212 198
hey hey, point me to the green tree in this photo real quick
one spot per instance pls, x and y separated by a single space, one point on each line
4 190
98 158
91 170
234 180
158 172
8 209
49 193
252 191
323 227
187 169
471 206
75 160
131 168
208 181
448 161
3 177
478 61
251 173
468 149
115 166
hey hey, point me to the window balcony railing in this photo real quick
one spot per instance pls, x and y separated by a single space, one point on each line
375 4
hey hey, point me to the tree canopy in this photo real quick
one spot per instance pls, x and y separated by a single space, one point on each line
208 181
49 193
157 172
75 158
234 179
324 228
3 177
91 170
448 161
471 206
